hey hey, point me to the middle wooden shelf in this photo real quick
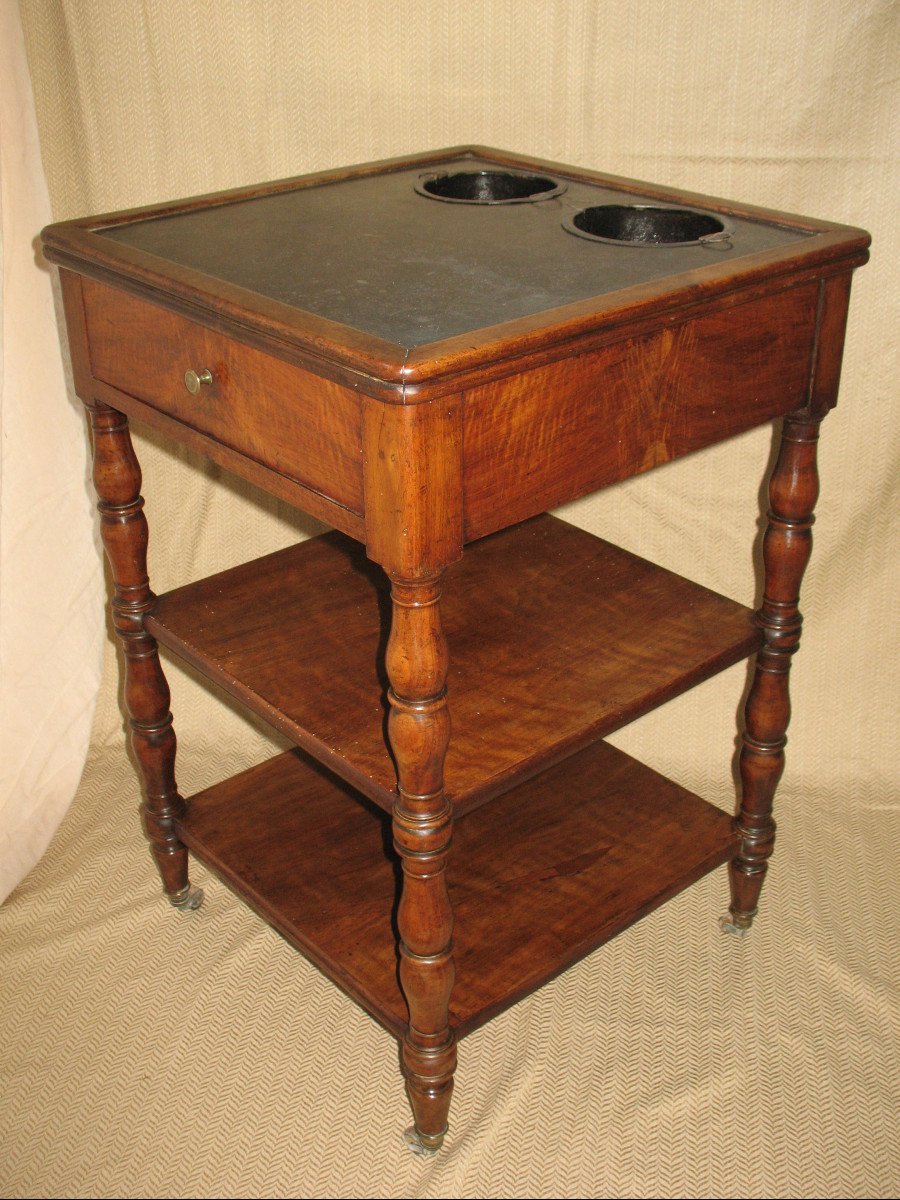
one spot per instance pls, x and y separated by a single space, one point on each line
556 639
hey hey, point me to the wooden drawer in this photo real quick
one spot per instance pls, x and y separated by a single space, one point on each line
273 412
546 436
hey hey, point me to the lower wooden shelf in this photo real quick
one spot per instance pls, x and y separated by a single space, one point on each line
538 878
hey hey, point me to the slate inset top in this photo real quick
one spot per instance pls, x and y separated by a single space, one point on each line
356 272
374 254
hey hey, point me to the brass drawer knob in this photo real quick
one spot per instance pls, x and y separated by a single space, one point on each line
194 380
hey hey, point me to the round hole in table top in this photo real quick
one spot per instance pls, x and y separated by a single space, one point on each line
488 187
644 225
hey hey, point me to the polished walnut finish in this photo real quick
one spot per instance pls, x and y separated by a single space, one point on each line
117 478
421 370
793 491
300 427
299 637
562 856
419 732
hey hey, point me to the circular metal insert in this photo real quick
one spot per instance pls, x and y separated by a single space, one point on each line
488 187
647 225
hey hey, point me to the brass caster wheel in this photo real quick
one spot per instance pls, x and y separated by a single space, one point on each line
423 1144
187 899
736 926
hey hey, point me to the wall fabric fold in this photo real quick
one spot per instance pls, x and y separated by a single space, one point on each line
50 578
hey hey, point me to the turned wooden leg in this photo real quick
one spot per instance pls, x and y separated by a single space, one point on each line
419 731
793 491
117 478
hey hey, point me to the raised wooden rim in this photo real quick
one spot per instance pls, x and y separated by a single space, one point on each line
408 375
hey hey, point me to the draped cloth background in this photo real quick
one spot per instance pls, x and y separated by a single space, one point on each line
151 1055
50 577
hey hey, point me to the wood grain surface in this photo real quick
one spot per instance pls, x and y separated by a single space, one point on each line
295 423
556 638
317 863
554 433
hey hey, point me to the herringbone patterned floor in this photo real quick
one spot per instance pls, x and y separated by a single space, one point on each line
147 1053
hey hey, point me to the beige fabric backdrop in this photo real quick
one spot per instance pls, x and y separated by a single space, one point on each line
50 577
788 105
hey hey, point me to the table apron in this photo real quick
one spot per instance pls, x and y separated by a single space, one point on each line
294 423
549 435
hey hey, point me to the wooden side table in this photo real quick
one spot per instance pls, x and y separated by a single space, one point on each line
427 354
